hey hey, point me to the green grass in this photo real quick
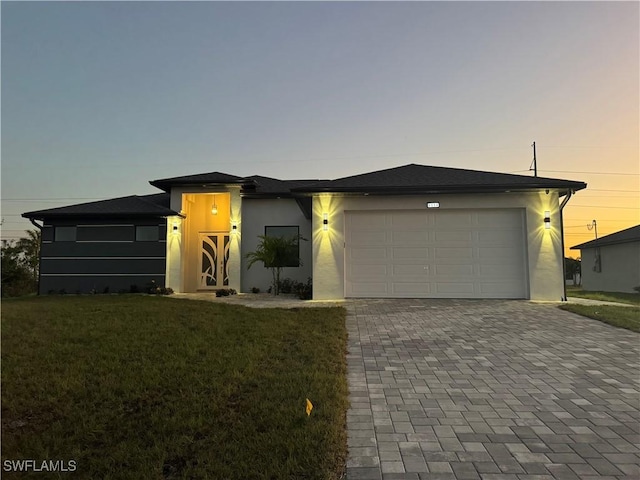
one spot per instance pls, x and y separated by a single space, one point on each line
620 297
144 387
623 317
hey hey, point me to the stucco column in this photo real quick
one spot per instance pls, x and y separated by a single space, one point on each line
235 237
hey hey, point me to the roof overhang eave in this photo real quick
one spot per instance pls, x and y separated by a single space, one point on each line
58 216
430 190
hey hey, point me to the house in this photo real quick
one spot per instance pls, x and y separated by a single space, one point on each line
408 231
611 263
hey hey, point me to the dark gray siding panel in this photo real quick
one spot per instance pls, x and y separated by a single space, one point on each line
99 284
104 265
105 255
99 249
106 233
47 234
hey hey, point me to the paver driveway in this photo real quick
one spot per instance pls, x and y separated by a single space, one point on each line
509 390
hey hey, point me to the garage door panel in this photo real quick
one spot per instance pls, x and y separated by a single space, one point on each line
368 238
409 270
465 289
442 254
368 253
408 221
407 289
412 253
409 238
453 236
366 271
368 221
458 220
454 270
453 252
370 289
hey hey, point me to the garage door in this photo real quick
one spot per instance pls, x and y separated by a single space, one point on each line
435 254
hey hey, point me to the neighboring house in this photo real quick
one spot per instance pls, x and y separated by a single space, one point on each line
409 231
611 263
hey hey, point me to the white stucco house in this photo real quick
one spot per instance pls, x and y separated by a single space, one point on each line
611 263
410 231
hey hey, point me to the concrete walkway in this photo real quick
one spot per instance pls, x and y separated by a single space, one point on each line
261 300
588 301
492 390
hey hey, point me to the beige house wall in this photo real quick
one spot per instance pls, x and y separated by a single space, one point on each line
620 268
543 246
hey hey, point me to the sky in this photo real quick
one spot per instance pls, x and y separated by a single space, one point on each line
98 98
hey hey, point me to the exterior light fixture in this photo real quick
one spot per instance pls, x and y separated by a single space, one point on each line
214 207
175 229
433 204
325 221
234 227
547 220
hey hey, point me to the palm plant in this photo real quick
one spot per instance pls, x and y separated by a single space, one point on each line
275 253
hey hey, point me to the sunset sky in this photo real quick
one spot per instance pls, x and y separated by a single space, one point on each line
100 98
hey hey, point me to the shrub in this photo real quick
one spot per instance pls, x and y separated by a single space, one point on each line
304 290
225 292
287 285
255 290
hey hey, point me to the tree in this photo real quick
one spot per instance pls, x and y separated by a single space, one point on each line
572 268
20 260
275 253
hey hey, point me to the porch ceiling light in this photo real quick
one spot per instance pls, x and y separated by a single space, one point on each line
214 207
547 220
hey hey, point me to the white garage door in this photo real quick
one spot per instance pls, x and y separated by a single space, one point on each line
435 254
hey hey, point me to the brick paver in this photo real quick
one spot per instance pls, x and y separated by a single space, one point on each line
481 389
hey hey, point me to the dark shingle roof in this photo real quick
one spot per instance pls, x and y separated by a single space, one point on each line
212 178
156 205
272 186
422 178
623 236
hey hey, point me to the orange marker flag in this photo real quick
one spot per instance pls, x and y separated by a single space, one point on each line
309 407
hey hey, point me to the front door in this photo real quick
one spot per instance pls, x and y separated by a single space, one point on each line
214 260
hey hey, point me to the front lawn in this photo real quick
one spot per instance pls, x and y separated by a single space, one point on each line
624 317
137 387
620 297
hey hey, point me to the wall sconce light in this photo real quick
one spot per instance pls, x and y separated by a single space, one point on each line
325 221
547 220
214 207
175 228
234 227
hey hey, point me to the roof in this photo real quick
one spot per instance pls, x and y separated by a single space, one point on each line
155 205
415 178
212 178
273 186
403 180
623 236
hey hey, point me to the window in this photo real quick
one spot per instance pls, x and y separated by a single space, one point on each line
292 257
65 234
146 233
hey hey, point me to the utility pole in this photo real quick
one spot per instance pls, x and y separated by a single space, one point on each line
593 226
535 163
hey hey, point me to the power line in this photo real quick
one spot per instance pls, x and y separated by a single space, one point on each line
592 173
599 206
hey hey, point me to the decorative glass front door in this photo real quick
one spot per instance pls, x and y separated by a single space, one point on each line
214 260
